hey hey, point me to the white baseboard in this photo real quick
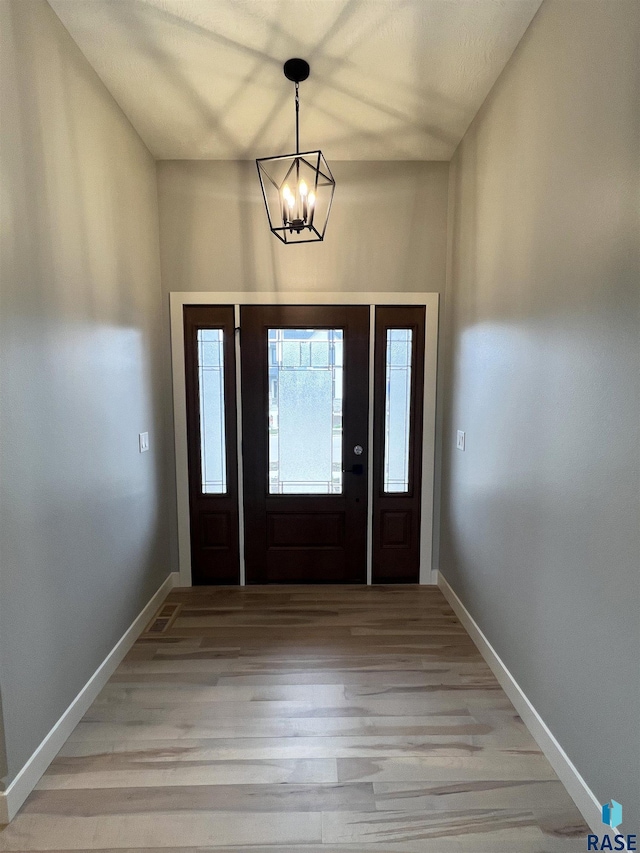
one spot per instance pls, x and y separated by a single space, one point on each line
578 789
27 778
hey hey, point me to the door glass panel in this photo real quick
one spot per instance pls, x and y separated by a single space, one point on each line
397 410
305 411
211 395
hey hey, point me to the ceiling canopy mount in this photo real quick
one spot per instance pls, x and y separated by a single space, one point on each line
296 70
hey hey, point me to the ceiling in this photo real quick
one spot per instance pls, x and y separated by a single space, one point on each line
390 79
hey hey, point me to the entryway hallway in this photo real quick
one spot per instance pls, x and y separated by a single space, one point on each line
300 719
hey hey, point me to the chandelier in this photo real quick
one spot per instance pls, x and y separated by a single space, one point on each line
297 188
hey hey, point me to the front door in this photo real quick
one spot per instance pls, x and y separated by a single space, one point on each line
305 400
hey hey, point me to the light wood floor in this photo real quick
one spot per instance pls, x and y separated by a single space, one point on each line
301 720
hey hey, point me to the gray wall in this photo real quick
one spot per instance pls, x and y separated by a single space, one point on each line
387 231
540 514
83 517
3 751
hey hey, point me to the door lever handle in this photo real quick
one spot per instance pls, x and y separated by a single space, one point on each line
358 470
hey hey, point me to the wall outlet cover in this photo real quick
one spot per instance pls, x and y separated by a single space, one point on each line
460 440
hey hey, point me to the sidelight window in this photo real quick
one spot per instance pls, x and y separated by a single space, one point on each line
211 396
397 410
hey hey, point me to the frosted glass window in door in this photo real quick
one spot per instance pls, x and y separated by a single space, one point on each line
211 396
305 411
397 410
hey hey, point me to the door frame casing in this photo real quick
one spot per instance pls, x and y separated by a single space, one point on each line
177 301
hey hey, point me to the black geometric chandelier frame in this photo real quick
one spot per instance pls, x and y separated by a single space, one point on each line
297 188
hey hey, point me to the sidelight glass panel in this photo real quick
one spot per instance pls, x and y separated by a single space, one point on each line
211 395
305 411
397 410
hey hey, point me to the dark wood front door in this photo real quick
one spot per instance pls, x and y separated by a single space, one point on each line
305 393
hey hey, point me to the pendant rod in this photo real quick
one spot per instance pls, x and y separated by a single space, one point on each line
297 118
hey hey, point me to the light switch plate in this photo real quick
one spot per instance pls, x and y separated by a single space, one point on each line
460 440
143 440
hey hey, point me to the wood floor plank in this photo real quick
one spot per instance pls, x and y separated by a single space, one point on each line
231 749
460 796
310 719
479 830
255 798
201 700
369 678
46 831
145 768
126 723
